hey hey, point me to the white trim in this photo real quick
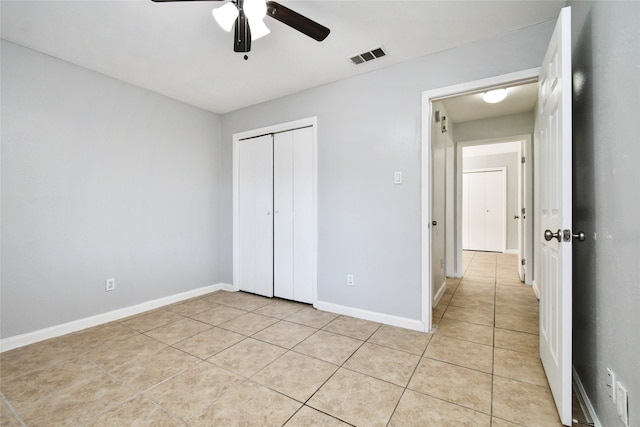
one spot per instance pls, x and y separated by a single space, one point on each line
16 341
427 98
441 291
277 128
536 290
584 399
373 316
425 220
511 251
521 138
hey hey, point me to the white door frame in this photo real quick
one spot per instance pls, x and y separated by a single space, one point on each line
277 128
525 151
428 96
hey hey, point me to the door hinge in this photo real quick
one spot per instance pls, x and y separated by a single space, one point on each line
524 211
523 159
523 261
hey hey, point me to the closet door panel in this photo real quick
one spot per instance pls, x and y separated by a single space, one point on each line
494 207
303 215
283 175
476 204
255 226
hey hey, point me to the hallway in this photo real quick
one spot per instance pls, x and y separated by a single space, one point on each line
488 321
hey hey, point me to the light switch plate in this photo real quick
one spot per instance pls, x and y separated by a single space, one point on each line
397 177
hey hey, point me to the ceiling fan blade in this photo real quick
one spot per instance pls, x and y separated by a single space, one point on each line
296 21
242 34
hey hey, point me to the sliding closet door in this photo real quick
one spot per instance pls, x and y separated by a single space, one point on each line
293 220
255 222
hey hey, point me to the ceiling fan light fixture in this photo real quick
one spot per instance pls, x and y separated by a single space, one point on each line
494 96
255 9
226 16
258 28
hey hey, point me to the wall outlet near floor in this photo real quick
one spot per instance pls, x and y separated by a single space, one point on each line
622 403
110 284
349 279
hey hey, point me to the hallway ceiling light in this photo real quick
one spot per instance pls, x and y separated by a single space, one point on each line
494 96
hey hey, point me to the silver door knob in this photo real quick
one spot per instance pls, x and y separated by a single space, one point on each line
548 235
580 236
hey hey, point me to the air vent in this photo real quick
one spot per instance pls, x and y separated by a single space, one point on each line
368 56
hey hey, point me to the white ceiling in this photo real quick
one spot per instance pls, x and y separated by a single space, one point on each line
176 49
464 108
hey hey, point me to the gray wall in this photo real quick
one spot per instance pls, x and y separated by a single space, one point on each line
368 127
496 127
510 161
99 179
606 134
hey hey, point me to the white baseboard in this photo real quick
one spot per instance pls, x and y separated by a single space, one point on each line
441 290
536 290
373 316
587 407
99 319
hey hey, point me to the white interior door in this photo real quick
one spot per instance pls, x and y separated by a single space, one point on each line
438 204
255 222
293 220
554 211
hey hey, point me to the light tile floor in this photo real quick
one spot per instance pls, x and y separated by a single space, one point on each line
228 359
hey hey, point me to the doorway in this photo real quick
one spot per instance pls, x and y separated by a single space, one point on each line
512 154
553 201
453 214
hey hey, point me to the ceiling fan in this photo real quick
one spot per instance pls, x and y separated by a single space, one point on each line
241 14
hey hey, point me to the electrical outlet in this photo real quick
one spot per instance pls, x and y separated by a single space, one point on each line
349 279
622 404
611 384
110 284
